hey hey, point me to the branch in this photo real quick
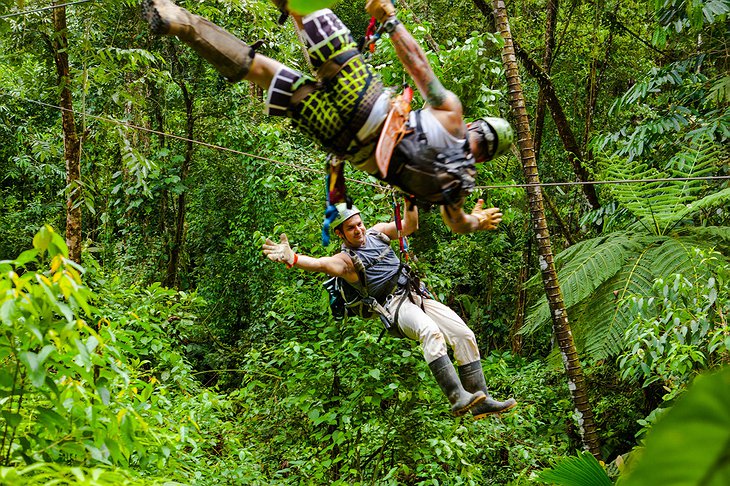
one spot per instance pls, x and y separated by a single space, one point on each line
429 40
561 122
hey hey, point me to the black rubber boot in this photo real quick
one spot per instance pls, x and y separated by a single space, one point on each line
460 399
229 55
472 377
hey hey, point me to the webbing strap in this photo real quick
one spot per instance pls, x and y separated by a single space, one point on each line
334 65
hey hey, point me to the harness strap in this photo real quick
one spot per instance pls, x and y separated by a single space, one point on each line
334 65
360 268
420 133
394 129
303 91
326 72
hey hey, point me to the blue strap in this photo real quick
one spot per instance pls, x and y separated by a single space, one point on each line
329 215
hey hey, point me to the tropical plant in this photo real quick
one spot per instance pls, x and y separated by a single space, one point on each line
677 330
659 239
98 389
579 470
690 443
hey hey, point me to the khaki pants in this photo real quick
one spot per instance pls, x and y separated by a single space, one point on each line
434 327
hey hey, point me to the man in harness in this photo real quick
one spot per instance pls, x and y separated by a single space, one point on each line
372 268
345 108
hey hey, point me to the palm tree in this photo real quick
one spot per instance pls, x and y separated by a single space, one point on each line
554 297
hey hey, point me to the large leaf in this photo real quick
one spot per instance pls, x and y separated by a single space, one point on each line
662 204
607 316
691 443
595 291
580 470
588 264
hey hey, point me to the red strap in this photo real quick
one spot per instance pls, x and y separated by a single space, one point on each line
296 259
370 31
399 226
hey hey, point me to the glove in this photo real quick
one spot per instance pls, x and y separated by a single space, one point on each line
382 10
279 252
488 218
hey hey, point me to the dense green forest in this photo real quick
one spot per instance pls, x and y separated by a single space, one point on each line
146 339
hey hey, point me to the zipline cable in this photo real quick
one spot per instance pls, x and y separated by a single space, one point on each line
615 181
42 9
185 139
377 186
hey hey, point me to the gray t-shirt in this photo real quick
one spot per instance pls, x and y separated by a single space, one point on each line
380 262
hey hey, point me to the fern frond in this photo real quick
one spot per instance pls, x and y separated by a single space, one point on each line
719 199
587 265
596 298
660 205
606 318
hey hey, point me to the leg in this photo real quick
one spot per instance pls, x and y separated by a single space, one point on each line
415 324
472 376
348 89
456 333
231 57
463 342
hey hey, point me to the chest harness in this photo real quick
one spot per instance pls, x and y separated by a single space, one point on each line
377 285
431 175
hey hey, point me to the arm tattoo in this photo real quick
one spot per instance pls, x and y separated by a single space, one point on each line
435 93
414 60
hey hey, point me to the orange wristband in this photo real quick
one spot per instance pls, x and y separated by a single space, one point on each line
296 258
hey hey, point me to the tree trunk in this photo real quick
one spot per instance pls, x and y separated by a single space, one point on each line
171 276
551 18
71 142
561 326
596 74
561 123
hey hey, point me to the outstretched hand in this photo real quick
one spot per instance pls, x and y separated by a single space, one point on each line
488 218
382 10
279 252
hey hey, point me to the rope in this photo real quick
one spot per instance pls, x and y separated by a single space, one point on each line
185 139
377 186
26 12
616 181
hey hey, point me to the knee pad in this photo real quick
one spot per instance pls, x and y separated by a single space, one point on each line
283 85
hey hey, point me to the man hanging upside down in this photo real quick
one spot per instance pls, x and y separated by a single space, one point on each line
346 107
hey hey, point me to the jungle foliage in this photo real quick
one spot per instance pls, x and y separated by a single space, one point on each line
174 353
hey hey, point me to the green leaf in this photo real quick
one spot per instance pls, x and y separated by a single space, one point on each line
25 257
34 363
43 238
6 378
690 444
580 470
6 312
57 246
12 419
